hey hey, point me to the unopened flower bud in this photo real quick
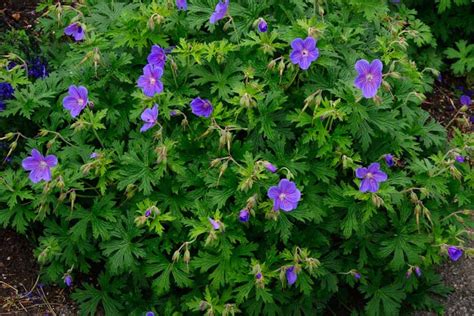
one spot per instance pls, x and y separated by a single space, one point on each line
186 256
176 256
215 162
281 67
271 64
413 197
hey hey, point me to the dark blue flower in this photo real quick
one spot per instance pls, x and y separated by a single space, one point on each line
201 107
291 275
244 216
68 280
6 91
11 65
389 160
465 100
182 5
262 25
454 253
219 12
37 68
76 30
418 271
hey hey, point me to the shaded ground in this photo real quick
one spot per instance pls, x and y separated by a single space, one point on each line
460 276
444 105
17 13
20 290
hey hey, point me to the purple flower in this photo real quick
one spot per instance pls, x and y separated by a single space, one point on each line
182 5
454 253
369 77
219 12
389 160
39 166
173 113
418 271
150 117
270 167
11 65
68 280
215 224
357 276
291 275
150 314
244 216
147 213
157 57
76 101
201 107
465 100
395 1
150 80
304 52
459 158
408 274
262 25
440 78
37 68
285 196
258 276
6 91
93 155
75 30
371 177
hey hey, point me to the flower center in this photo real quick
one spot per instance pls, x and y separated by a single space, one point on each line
282 196
43 164
369 77
304 52
80 102
369 175
152 80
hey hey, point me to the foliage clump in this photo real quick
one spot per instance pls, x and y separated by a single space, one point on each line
206 161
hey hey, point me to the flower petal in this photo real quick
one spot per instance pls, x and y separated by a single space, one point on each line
374 167
373 185
380 176
297 44
146 127
309 43
51 160
361 172
362 66
273 193
286 186
364 185
30 163
376 66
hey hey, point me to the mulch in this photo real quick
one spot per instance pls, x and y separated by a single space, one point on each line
21 292
444 106
19 14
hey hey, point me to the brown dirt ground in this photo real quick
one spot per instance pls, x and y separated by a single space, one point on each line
444 105
21 293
